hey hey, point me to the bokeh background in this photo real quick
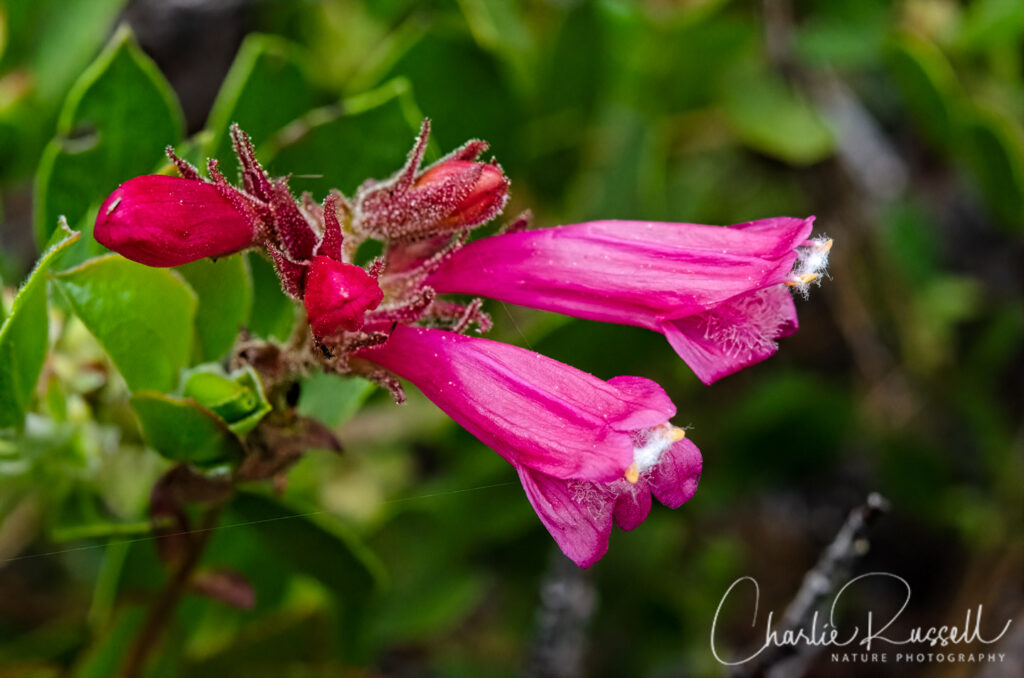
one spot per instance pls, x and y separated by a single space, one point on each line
897 123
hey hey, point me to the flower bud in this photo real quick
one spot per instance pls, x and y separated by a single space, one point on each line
159 220
485 197
337 295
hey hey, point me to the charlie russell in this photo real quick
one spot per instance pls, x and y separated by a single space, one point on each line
829 634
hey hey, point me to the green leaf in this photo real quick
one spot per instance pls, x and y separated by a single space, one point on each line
989 23
465 91
332 399
104 592
100 529
267 87
183 430
314 542
106 655
224 288
328 147
844 34
117 119
238 400
274 316
995 152
429 609
143 317
929 86
500 28
56 39
23 337
49 43
772 119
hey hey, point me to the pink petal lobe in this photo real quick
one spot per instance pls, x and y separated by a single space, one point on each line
734 335
580 525
674 479
632 506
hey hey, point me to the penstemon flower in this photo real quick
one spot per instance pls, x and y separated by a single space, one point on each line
718 294
589 453
585 449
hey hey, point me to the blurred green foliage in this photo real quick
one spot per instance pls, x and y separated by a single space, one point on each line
415 551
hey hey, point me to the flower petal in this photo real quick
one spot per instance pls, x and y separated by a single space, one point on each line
649 405
632 506
674 479
580 527
532 410
678 279
635 273
734 335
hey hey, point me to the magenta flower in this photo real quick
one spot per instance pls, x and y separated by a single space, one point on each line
589 453
586 450
168 221
718 294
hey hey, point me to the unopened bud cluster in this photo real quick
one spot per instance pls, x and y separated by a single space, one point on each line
162 220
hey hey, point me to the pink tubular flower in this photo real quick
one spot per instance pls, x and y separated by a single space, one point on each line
168 221
718 294
586 450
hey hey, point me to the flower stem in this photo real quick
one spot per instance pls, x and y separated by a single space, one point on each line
163 609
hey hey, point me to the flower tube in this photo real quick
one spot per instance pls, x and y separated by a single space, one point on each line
719 295
586 450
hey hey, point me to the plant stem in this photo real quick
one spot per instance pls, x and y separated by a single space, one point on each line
163 609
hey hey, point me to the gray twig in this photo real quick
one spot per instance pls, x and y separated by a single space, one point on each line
832 569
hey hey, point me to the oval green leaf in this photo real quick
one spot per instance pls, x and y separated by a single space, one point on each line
327 147
23 337
143 317
769 117
267 87
181 429
224 288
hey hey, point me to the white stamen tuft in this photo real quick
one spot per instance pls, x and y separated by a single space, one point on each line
811 265
652 445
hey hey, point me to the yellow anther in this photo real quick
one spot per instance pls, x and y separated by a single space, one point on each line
676 434
827 245
632 473
804 279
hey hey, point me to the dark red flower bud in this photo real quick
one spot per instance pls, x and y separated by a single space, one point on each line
159 220
337 295
456 194
484 198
